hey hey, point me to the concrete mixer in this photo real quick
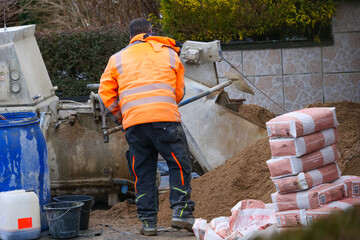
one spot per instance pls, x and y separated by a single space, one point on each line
79 160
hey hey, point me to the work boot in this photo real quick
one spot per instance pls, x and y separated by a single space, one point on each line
183 223
149 228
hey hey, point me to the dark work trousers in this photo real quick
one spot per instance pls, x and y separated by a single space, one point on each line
145 142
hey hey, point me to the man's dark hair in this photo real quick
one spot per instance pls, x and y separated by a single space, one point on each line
139 25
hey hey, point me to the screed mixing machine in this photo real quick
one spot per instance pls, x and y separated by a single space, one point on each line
79 161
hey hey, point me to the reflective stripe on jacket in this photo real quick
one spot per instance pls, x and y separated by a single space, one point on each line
144 82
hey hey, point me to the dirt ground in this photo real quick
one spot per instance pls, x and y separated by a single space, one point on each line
120 223
245 176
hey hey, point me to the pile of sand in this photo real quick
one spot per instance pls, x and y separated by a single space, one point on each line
255 113
246 175
121 214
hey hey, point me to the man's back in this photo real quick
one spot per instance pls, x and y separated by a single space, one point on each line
150 82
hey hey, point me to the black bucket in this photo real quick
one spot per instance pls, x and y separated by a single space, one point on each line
63 218
85 209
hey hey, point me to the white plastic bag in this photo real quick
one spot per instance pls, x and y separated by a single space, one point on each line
247 216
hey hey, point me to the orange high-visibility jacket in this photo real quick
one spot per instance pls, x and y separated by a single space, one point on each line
144 82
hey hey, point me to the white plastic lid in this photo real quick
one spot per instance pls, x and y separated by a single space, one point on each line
21 191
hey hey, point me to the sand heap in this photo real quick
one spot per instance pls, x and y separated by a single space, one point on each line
246 175
255 113
120 213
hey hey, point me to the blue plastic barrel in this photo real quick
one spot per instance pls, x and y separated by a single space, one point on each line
23 157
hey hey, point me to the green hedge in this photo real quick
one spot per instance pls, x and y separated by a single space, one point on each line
77 58
225 20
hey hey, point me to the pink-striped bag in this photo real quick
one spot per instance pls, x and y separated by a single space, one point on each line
302 217
308 179
330 208
352 183
344 204
313 215
303 145
291 165
291 218
302 122
309 199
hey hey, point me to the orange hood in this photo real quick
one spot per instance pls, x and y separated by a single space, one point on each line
157 42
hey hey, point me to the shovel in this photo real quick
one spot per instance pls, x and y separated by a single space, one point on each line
239 82
233 78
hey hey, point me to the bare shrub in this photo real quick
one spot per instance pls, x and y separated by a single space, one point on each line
10 10
72 14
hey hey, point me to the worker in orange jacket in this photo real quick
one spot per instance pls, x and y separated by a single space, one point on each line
141 87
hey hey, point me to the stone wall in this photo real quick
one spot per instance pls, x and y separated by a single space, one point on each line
295 77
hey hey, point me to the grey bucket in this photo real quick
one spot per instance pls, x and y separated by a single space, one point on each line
63 218
85 209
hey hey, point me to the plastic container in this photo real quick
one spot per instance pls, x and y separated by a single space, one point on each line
19 215
63 218
85 209
24 159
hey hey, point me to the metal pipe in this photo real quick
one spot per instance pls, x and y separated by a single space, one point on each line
94 86
113 130
72 107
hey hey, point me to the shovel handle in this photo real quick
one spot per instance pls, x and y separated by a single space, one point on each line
205 93
182 103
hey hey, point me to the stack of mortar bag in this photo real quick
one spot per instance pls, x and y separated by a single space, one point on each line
304 154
